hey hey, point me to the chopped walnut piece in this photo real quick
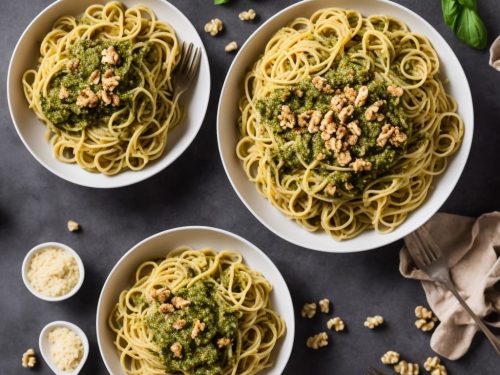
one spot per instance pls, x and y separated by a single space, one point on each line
299 93
160 294
325 136
166 308
395 90
345 113
73 65
29 358
314 121
350 94
317 341
324 305
371 111
247 15
334 144
360 165
179 324
348 186
405 368
304 117
352 139
398 137
336 323
320 156
373 321
287 117
231 46
337 102
327 123
330 189
223 342
63 93
354 127
180 302
197 328
322 85
87 99
390 358
110 56
176 349
73 226
362 96
434 366
94 77
308 310
285 95
105 97
214 26
344 158
109 80
341 132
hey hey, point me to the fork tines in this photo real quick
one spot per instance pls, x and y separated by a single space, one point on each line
422 247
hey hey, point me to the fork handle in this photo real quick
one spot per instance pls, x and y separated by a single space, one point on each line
495 341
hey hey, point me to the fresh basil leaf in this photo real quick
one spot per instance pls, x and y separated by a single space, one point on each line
471 4
219 2
470 29
451 11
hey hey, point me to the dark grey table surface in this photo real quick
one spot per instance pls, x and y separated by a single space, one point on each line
35 205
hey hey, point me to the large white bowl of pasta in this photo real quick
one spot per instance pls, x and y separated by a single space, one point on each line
91 90
344 125
196 300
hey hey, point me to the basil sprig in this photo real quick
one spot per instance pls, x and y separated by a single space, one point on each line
219 2
461 16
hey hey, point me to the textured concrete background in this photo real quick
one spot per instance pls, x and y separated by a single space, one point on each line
35 205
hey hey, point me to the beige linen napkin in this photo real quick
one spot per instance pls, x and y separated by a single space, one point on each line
495 54
473 249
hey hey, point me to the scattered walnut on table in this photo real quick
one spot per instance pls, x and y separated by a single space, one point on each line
73 226
317 341
308 310
29 358
247 15
405 368
324 305
231 46
214 26
390 358
434 366
373 321
336 323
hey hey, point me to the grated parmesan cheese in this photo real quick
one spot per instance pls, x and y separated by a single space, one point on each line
53 272
66 348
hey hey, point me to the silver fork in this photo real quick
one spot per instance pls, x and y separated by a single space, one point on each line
186 70
373 371
429 258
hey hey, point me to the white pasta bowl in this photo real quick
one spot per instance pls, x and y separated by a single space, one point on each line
57 245
32 131
157 246
44 345
227 132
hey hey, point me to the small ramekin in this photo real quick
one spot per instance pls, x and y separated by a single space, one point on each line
36 249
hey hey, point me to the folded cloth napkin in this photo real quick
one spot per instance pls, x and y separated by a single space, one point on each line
473 249
495 54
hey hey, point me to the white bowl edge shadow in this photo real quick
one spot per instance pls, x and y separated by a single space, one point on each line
32 131
44 345
267 214
158 245
40 247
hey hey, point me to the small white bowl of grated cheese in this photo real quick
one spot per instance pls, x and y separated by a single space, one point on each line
53 271
64 347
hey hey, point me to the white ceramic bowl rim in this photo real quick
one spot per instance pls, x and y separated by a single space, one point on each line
286 342
43 345
267 214
40 247
179 138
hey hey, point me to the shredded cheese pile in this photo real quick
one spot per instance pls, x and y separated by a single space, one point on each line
66 348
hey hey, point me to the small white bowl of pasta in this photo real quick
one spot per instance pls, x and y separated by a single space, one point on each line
157 269
255 160
111 154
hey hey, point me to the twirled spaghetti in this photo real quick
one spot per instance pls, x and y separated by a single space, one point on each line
103 87
196 312
384 162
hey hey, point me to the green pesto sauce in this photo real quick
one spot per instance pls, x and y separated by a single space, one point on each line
296 144
200 356
64 113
